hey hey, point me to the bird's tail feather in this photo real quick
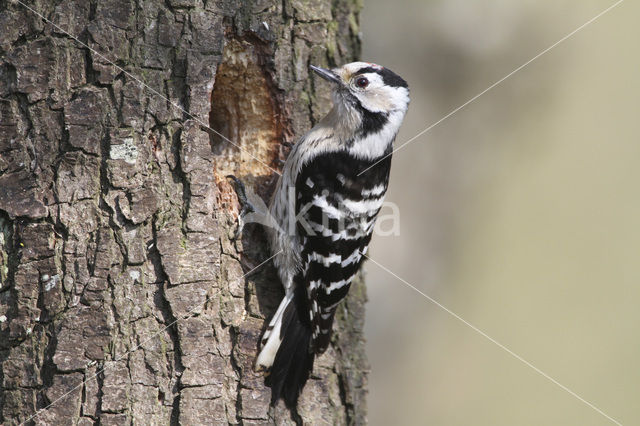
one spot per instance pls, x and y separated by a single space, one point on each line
272 336
293 361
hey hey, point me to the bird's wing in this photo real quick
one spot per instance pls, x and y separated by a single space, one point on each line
334 222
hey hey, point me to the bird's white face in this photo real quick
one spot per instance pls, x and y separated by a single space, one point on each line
376 88
370 102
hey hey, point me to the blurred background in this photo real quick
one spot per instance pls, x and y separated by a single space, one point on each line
520 213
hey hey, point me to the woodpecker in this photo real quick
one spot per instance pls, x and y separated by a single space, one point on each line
322 214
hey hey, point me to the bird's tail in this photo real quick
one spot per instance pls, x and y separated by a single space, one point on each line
272 336
286 352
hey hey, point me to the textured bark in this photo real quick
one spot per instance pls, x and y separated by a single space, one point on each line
122 298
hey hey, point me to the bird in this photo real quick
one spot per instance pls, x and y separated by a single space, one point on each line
322 215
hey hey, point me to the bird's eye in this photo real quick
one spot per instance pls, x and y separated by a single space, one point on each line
362 82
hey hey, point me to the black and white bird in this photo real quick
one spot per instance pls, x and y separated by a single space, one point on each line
323 213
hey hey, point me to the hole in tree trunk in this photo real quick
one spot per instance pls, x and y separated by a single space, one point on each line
244 110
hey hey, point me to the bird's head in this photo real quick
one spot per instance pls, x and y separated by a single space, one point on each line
367 86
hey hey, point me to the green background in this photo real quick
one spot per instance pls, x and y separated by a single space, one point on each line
520 213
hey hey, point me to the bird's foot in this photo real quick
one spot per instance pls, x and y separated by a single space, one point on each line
245 206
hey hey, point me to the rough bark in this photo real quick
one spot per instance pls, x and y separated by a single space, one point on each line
122 298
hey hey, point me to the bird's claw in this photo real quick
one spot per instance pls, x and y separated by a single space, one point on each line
245 206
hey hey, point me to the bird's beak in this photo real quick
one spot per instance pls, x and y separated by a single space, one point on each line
326 74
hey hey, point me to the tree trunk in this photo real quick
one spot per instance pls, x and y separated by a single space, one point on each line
122 297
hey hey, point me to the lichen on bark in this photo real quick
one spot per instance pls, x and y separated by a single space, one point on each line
122 298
